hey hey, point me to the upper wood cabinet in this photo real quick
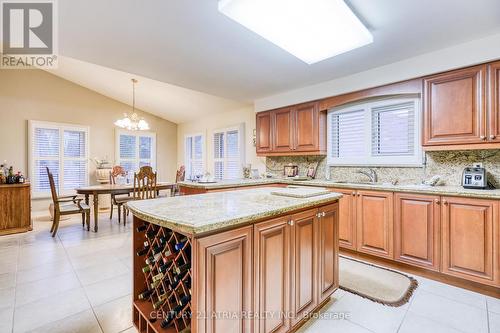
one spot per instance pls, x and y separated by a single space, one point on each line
494 102
454 107
470 239
375 223
416 228
264 139
294 130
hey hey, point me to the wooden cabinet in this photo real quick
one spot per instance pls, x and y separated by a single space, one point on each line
15 208
470 239
328 248
494 102
284 126
264 139
294 130
375 223
416 228
455 107
304 266
224 265
347 218
272 275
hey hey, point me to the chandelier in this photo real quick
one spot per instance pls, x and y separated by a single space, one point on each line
132 122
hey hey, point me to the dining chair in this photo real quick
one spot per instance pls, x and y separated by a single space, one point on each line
144 187
66 205
117 200
179 177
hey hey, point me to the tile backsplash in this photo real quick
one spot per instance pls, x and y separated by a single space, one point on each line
448 164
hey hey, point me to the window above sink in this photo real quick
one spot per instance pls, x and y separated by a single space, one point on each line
376 133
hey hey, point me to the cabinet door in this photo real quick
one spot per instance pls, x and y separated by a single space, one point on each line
375 223
272 275
304 265
454 107
470 239
416 226
306 127
263 128
347 218
494 102
283 121
224 267
328 248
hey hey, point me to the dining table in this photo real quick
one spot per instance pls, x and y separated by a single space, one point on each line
114 189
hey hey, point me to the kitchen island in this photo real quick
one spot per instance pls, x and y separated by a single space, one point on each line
236 261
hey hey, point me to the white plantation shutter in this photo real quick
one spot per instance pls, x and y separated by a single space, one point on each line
135 149
194 155
347 134
63 148
228 153
393 129
383 132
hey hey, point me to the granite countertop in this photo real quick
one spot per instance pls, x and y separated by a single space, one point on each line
202 213
423 189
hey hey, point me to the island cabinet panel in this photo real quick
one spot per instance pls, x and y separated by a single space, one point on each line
283 121
494 102
272 275
304 269
264 138
328 247
347 218
470 239
307 127
455 107
224 281
375 223
417 224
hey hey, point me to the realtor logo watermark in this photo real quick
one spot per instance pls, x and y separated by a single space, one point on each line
28 34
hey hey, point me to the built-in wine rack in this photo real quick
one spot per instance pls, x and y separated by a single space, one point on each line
162 279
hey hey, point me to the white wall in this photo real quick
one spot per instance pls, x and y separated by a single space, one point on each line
207 124
462 55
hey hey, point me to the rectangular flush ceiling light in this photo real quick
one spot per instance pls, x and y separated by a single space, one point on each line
311 30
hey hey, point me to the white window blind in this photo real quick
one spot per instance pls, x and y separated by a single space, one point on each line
383 132
193 152
228 153
135 149
63 148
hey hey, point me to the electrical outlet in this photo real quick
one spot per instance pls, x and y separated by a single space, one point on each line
478 165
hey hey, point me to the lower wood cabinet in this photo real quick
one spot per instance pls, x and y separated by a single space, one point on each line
272 274
328 248
416 228
347 218
225 268
470 239
375 223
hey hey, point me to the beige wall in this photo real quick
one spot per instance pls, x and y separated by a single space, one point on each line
206 125
37 95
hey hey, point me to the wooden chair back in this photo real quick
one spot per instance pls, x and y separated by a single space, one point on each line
181 174
115 172
145 184
53 190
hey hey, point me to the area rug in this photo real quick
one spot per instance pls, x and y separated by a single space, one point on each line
378 284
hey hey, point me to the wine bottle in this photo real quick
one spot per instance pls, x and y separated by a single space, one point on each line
170 317
158 277
164 268
144 250
181 243
158 304
145 294
141 228
184 300
153 259
151 233
146 269
182 269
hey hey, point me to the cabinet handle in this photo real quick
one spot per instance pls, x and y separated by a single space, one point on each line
482 137
437 201
290 222
492 136
445 202
353 193
323 214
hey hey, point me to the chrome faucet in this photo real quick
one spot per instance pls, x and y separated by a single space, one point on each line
371 173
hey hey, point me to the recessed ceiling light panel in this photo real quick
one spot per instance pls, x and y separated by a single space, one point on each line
311 30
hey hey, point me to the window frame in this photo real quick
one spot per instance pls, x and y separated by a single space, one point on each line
33 124
189 160
241 148
137 160
368 159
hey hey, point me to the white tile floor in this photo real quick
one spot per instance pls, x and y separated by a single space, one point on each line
80 282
